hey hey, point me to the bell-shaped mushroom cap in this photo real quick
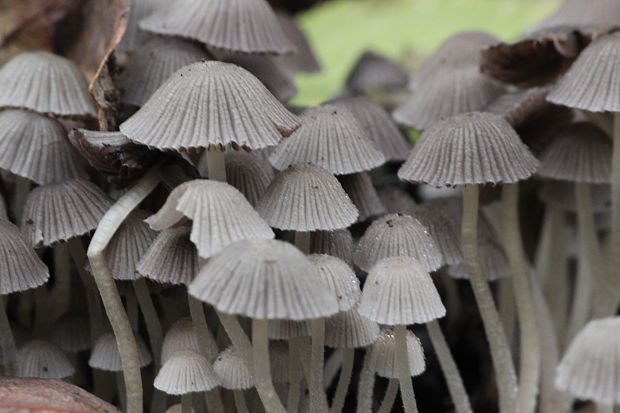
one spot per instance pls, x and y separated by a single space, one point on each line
210 103
134 38
269 71
59 212
590 368
561 194
443 231
493 261
382 357
379 126
45 83
220 215
473 148
579 152
303 60
306 198
395 199
36 147
362 192
374 73
44 360
21 268
349 329
246 26
601 13
71 333
397 235
329 137
337 243
179 337
264 279
278 353
172 258
339 278
451 92
249 173
589 83
232 370
105 355
151 65
399 290
186 372
287 329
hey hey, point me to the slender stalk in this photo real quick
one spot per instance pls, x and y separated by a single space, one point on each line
151 319
614 252
332 367
500 351
262 368
240 403
120 387
295 375
343 381
318 398
203 334
404 374
237 336
186 403
365 387
526 308
7 342
507 310
61 292
216 164
389 397
133 313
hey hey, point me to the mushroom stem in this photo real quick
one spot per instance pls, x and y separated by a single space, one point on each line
529 371
201 329
365 387
216 164
7 342
343 381
295 374
262 368
614 251
120 387
332 367
500 351
389 397
131 306
186 403
404 373
151 319
238 337
240 403
109 294
61 292
456 388
318 399
507 310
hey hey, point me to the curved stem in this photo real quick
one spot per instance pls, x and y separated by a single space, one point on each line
201 329
404 374
318 399
237 336
389 397
507 310
186 403
7 342
262 368
365 387
500 351
216 164
240 403
343 381
151 319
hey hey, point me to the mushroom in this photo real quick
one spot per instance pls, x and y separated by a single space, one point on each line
179 337
44 360
249 173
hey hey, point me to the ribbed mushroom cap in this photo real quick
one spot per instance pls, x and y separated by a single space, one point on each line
584 14
278 353
232 370
151 65
561 194
171 258
338 243
210 103
36 147
329 137
349 329
382 357
59 212
269 71
362 192
379 126
220 215
473 148
397 235
186 372
247 26
395 199
590 82
303 60
179 337
264 279
443 231
376 73
71 333
44 360
339 278
306 198
452 91
579 152
134 38
105 355
45 83
20 266
287 329
493 261
249 173
590 368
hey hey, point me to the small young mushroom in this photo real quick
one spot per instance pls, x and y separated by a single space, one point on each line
42 359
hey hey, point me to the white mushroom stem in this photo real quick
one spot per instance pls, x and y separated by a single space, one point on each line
61 292
186 403
7 342
201 329
238 337
365 387
216 164
343 381
240 403
332 367
318 398
530 348
456 388
500 351
110 297
404 373
614 251
295 374
389 397
151 319
507 310
262 368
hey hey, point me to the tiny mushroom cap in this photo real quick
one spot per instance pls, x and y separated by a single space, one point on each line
350 329
360 189
397 235
338 243
21 268
172 258
269 71
579 152
443 231
186 372
251 174
590 368
247 26
220 215
210 103
59 212
287 329
179 337
589 83
264 279
493 261
35 147
105 355
375 73
329 137
44 360
151 65
306 198
232 371
45 83
400 291
303 60
339 278
561 194
71 333
473 148
395 199
382 358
